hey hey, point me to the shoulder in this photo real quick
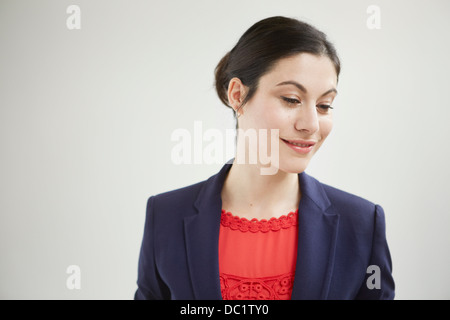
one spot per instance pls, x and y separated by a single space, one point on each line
341 198
352 207
175 201
166 211
347 200
184 194
171 207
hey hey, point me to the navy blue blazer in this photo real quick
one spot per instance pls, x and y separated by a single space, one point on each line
339 236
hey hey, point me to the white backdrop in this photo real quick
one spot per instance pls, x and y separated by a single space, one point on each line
86 118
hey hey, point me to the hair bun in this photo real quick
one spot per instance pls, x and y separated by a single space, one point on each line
222 79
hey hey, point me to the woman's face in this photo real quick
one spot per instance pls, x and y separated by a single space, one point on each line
294 97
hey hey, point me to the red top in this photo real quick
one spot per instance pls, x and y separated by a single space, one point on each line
257 258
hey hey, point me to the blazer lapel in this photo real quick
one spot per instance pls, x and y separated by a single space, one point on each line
317 229
202 238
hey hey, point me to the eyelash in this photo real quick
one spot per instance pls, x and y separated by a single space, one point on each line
291 101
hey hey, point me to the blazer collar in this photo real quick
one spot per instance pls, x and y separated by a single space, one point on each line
202 238
317 233
316 241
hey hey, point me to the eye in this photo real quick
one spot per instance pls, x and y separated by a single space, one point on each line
291 101
324 108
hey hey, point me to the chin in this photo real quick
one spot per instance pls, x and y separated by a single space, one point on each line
294 165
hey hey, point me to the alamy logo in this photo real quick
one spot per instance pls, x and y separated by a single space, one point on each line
214 147
74 279
374 18
73 22
373 281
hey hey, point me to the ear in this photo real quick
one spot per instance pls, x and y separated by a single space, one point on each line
236 94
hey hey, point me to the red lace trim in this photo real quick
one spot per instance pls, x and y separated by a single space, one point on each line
268 288
255 225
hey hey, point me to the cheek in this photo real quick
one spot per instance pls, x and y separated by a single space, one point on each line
262 114
325 126
275 118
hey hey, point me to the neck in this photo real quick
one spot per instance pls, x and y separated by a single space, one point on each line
248 194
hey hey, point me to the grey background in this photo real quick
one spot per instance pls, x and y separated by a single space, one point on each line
86 118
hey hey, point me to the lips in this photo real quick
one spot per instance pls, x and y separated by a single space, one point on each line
300 146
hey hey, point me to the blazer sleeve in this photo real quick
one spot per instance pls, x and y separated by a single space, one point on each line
379 283
150 284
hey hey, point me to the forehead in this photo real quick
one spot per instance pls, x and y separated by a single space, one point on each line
312 71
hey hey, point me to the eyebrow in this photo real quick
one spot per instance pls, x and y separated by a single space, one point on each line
302 88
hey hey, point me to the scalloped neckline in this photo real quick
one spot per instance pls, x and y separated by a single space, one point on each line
255 225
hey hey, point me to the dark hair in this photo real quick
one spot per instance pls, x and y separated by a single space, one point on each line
262 45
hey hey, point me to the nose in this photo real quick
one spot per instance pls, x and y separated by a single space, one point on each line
307 120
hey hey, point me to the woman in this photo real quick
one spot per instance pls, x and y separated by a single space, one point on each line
246 233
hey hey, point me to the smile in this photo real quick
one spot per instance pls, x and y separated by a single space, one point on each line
300 146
